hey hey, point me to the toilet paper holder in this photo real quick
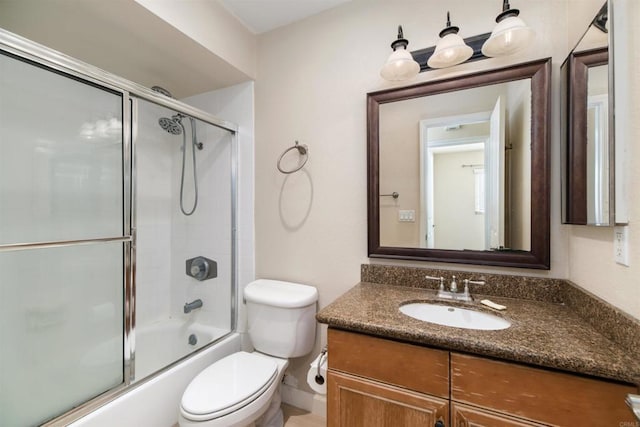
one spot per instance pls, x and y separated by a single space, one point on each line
319 379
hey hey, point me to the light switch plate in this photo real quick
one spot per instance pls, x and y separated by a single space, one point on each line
407 215
621 245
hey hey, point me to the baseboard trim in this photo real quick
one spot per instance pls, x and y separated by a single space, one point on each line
311 402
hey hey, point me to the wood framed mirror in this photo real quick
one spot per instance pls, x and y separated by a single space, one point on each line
587 168
588 161
458 169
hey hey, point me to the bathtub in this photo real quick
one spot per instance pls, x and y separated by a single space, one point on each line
155 402
162 343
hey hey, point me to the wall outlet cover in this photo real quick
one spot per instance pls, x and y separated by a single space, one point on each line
621 245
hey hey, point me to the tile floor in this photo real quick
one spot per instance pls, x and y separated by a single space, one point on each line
294 417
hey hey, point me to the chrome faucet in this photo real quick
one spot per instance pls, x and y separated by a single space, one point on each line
453 293
188 307
453 286
439 279
466 296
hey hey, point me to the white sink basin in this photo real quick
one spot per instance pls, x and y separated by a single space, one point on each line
454 316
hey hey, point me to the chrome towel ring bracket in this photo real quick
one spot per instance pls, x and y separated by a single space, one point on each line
303 150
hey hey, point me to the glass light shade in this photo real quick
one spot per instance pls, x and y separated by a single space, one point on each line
509 36
451 50
400 66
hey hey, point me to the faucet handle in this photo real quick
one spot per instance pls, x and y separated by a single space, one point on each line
473 282
440 279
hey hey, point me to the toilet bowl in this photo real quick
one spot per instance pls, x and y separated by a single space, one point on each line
235 391
243 387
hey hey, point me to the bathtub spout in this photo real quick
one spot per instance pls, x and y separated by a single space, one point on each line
188 307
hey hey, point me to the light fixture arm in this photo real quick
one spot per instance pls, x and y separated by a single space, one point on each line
449 29
507 11
401 41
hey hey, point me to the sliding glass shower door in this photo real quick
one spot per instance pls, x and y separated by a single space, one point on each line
63 237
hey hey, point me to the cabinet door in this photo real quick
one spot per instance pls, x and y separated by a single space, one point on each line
356 402
466 416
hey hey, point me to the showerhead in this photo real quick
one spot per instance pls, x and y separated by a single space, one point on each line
171 125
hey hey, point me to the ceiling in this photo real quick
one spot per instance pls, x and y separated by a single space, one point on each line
260 16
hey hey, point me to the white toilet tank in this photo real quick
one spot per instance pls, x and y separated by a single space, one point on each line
281 317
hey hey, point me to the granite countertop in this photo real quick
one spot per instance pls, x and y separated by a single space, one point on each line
542 333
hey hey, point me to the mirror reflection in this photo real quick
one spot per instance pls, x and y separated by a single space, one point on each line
598 145
461 165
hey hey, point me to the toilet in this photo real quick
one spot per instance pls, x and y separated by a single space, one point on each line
242 389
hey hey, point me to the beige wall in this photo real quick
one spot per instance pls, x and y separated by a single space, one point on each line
211 25
311 85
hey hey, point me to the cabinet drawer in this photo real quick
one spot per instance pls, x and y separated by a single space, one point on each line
537 394
417 368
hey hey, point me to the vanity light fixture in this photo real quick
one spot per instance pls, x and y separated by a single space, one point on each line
509 35
400 65
451 49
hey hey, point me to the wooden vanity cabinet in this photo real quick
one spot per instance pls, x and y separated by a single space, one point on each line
376 382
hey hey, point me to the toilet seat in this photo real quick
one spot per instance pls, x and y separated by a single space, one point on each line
227 385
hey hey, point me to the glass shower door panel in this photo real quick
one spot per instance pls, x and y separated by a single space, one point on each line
61 329
61 156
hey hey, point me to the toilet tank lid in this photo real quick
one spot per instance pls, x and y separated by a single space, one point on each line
280 294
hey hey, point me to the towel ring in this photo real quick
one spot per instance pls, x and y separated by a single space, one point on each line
302 149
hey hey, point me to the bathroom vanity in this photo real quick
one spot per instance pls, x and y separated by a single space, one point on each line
550 367
374 381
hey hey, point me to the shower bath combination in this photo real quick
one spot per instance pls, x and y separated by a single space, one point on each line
105 231
174 126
